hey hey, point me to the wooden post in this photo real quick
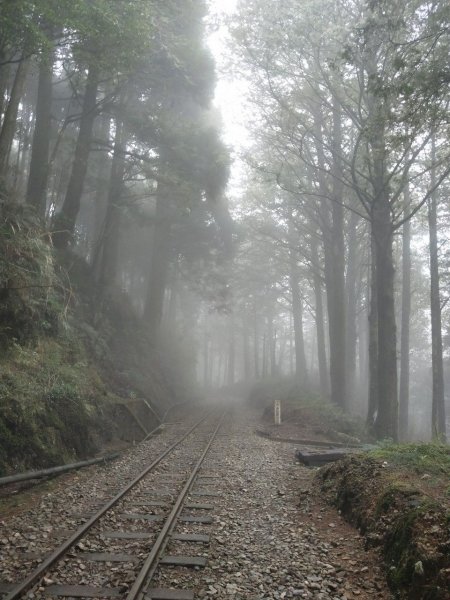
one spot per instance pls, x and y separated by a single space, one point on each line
277 412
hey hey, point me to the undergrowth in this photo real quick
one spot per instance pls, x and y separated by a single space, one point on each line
50 399
431 458
301 404
31 295
67 360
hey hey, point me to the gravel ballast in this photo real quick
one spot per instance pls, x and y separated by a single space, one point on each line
271 535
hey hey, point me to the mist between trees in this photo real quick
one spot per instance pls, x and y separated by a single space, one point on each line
339 235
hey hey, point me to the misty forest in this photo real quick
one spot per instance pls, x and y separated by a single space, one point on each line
207 200
324 260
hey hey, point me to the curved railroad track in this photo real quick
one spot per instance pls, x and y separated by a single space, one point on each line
115 551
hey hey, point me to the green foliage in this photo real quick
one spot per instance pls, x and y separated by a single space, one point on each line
31 302
49 397
429 458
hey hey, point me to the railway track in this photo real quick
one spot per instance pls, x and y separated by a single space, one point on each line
117 549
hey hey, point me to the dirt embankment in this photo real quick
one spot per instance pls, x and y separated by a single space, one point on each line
398 496
401 510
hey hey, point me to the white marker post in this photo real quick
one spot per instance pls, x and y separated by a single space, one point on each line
277 412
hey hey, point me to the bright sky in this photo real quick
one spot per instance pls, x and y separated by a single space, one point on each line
230 91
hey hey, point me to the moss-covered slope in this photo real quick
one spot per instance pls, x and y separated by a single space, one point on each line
399 498
67 364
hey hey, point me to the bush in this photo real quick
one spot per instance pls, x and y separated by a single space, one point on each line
30 293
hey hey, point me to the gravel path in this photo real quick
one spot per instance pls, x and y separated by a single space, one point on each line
271 536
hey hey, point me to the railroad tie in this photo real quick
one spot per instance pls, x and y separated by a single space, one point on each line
167 594
196 519
191 537
193 505
183 561
155 503
142 517
107 557
126 535
82 591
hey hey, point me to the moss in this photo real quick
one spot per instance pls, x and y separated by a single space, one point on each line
431 458
31 295
50 398
396 493
410 527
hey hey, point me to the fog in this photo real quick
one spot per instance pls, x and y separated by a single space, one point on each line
264 186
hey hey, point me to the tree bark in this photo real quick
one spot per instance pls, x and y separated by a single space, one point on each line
231 354
109 251
386 424
246 350
372 408
320 322
256 342
335 271
38 175
159 259
10 119
5 72
405 324
332 226
66 220
438 401
301 371
351 294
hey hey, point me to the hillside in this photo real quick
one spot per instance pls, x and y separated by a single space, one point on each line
70 372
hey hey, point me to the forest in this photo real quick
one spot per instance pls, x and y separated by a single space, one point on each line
142 255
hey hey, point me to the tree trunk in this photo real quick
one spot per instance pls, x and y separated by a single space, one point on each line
301 372
256 342
5 73
372 408
231 354
272 345
320 323
386 424
438 401
406 315
38 175
264 357
332 224
246 350
335 271
351 293
10 120
66 220
206 371
23 137
109 251
159 259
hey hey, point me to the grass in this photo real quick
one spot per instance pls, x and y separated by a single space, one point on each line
421 458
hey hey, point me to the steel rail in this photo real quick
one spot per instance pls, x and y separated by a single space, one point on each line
31 579
151 561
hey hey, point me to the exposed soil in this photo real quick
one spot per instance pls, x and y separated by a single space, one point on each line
302 424
404 515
